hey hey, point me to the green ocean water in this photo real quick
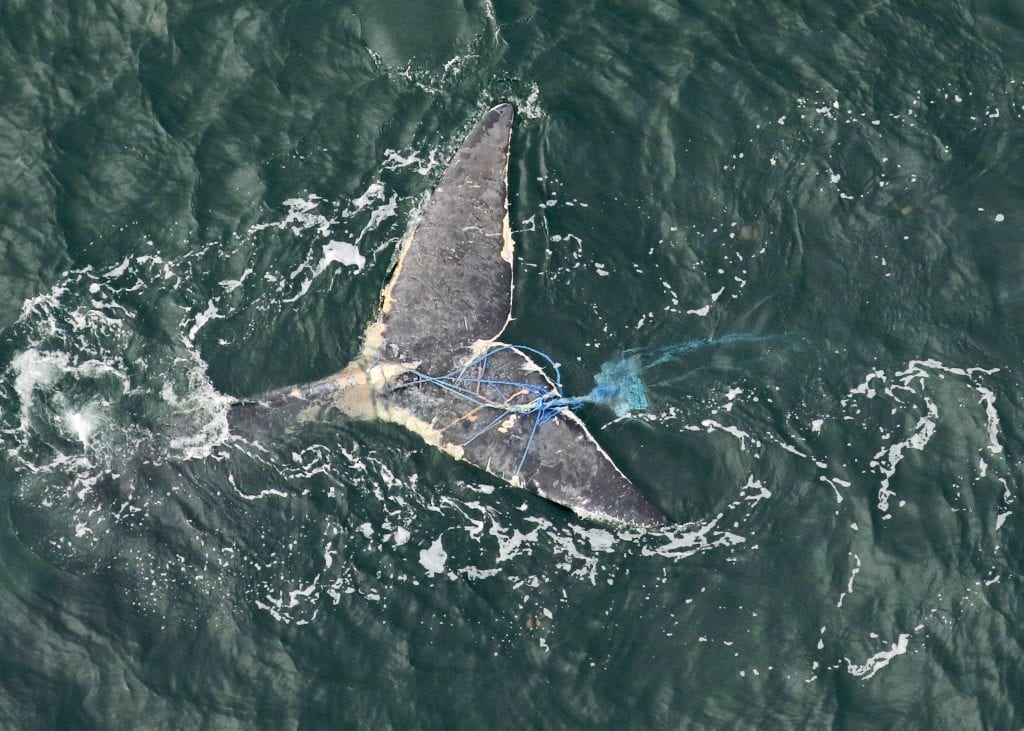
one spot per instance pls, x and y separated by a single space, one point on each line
803 218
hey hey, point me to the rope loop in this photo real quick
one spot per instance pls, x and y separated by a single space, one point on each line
508 398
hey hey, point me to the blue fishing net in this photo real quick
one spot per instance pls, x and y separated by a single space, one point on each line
623 384
620 386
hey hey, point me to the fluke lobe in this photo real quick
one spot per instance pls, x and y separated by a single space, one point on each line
448 300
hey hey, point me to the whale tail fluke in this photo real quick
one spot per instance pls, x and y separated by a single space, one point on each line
448 299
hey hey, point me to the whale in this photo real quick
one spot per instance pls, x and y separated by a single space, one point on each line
433 360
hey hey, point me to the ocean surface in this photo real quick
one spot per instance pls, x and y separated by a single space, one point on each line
804 221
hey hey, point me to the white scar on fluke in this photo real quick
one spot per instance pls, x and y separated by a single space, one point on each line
432 358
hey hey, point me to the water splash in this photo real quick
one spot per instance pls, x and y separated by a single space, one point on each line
121 458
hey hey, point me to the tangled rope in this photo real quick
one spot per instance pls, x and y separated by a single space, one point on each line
509 398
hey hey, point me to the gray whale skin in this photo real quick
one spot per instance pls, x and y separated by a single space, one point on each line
447 302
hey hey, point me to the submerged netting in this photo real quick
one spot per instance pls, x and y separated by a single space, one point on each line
623 384
620 386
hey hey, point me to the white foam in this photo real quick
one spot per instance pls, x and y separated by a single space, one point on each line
119 269
849 585
393 159
879 660
754 491
865 389
375 192
685 541
210 313
894 454
82 424
342 252
230 285
35 369
832 484
988 399
201 400
300 217
434 558
742 436
599 539
530 108
268 492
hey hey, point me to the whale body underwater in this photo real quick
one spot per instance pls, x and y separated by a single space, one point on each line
432 361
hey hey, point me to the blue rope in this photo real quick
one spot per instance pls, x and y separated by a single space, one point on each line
543 403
